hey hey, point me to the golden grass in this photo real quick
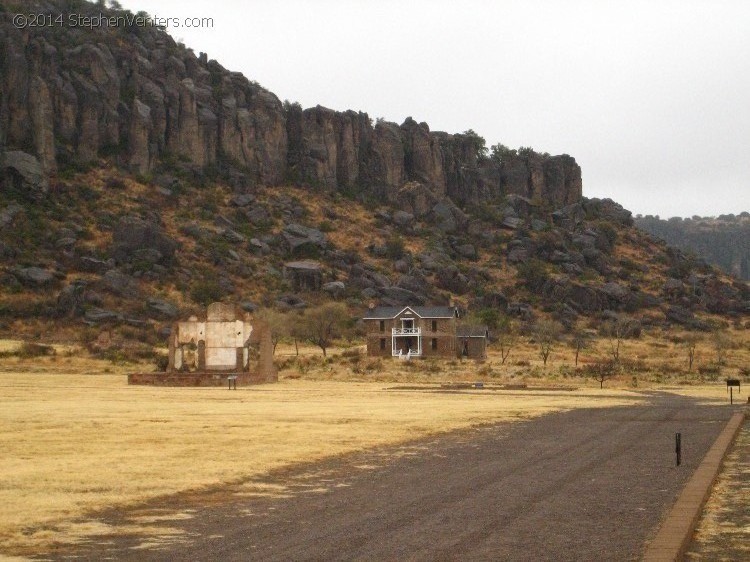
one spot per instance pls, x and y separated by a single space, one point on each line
76 443
723 529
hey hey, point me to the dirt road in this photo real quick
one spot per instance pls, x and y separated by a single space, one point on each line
583 485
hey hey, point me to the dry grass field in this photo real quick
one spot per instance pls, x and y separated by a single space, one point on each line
723 532
75 443
77 439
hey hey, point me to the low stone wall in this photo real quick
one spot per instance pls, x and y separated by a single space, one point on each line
197 379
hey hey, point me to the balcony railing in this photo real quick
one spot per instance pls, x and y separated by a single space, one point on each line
406 331
407 355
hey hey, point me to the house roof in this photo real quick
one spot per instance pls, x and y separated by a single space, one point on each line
472 332
390 312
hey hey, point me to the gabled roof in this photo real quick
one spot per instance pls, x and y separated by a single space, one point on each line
472 332
390 312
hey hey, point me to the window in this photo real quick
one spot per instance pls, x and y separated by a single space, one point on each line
434 344
434 325
382 344
382 325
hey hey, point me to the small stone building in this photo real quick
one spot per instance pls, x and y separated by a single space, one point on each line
205 352
420 331
472 341
304 275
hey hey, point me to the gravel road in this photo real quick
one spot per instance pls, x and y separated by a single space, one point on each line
589 484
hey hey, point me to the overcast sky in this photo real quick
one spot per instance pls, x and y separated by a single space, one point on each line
652 98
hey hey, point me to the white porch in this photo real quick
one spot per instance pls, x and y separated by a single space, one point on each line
406 342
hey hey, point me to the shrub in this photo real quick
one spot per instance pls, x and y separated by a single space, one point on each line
711 372
30 350
394 248
205 292
161 362
533 274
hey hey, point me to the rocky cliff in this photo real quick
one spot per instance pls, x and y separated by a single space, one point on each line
71 95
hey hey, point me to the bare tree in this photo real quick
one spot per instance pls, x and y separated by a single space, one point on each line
546 334
322 324
603 370
507 337
278 322
690 343
617 330
581 340
720 342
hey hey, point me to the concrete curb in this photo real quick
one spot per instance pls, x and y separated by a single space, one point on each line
676 532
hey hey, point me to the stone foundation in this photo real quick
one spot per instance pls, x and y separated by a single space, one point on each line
198 379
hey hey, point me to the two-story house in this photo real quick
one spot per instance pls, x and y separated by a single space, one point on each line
420 331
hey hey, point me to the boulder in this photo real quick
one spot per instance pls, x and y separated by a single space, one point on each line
242 200
8 215
99 315
257 216
451 279
35 276
94 265
433 259
584 299
297 236
608 210
511 223
233 236
132 234
164 309
616 292
569 217
223 222
492 299
396 296
24 172
287 302
403 219
120 284
448 216
517 254
334 288
521 310
467 251
673 287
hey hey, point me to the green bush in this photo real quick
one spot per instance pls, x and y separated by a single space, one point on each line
205 292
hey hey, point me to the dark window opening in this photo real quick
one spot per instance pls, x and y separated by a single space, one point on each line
434 325
434 344
382 343
382 325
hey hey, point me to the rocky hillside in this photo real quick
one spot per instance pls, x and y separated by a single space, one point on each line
723 241
140 182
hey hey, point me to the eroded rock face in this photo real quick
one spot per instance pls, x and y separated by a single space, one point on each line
135 95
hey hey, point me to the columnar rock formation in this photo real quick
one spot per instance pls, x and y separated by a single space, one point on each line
71 95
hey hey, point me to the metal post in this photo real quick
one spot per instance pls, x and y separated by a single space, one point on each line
678 447
731 395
